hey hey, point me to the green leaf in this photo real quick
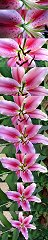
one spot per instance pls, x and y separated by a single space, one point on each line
4 220
5 236
7 122
40 63
9 150
14 207
9 98
3 197
15 234
4 69
11 180
14 215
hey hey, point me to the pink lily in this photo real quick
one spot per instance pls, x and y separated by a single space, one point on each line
29 135
23 137
10 4
24 83
23 224
37 20
28 109
23 196
10 21
23 51
23 165
22 108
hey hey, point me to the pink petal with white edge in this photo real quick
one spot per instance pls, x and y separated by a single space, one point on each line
26 176
8 47
20 157
34 199
38 114
32 130
38 167
8 108
39 90
27 148
10 163
34 77
25 205
8 133
39 138
21 218
13 195
32 102
24 232
27 220
29 190
31 226
8 86
31 159
41 54
12 62
34 44
18 73
20 188
15 224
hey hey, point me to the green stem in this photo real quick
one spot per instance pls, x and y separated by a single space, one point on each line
6 231
3 118
4 145
4 173
3 204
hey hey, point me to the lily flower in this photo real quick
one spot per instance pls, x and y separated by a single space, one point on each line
23 83
23 52
23 224
23 165
23 196
23 137
28 136
23 108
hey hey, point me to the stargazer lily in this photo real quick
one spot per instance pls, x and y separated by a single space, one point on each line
23 51
23 165
23 137
23 108
23 196
23 83
23 224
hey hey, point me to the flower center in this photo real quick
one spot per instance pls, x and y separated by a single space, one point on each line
23 166
22 55
22 225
